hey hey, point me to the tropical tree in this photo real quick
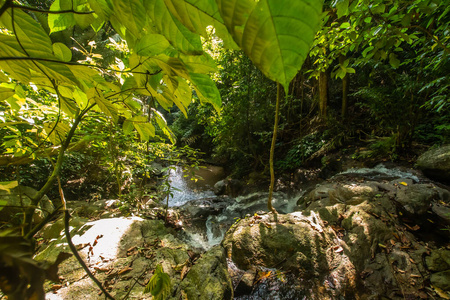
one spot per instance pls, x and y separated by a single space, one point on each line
163 60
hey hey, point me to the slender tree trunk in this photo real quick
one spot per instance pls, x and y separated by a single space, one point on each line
345 86
272 151
323 94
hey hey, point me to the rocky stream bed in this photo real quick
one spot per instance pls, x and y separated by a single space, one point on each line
378 233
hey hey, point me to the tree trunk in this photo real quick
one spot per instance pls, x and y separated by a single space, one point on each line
345 86
323 94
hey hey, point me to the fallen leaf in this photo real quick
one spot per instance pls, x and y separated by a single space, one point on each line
56 287
403 183
184 271
124 270
440 292
263 275
415 276
412 261
392 242
338 249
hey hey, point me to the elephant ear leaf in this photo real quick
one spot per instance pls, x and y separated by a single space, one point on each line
275 34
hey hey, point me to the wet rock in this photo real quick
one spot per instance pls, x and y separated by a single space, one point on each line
347 242
416 199
245 284
208 278
19 197
441 280
295 243
231 187
439 260
435 164
202 208
442 211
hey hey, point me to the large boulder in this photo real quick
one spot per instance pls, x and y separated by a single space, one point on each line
348 242
435 164
19 198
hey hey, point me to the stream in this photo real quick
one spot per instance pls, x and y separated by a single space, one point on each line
212 215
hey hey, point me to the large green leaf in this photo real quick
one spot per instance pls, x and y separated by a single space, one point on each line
275 34
62 52
145 129
5 93
151 44
199 63
166 24
162 124
59 22
131 14
57 133
206 89
96 96
33 38
103 8
197 15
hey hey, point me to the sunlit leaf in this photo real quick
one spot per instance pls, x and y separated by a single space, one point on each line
275 34
159 285
178 35
197 15
57 132
62 52
5 93
8 185
206 89
131 14
59 22
151 44
96 96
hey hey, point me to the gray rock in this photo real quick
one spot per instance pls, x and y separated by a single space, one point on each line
435 164
231 187
220 187
246 282
441 280
416 199
443 212
439 260
157 168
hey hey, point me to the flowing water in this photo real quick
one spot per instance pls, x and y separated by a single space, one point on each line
184 188
186 191
227 210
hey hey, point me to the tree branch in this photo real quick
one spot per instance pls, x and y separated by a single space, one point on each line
30 8
73 64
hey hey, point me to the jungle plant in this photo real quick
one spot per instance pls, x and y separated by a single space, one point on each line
164 61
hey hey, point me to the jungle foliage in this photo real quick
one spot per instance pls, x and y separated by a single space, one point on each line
376 77
95 76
